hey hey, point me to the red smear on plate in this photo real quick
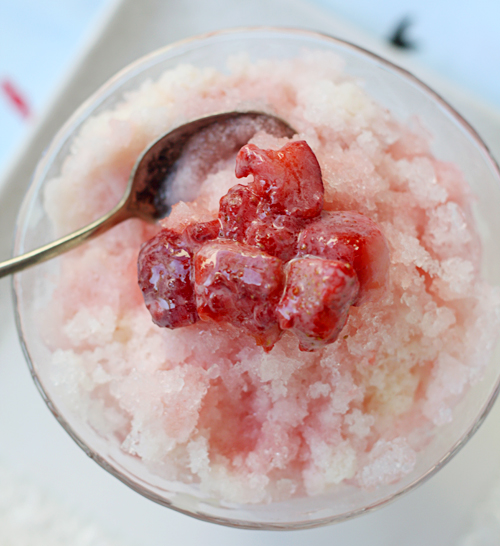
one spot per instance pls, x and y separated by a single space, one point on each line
15 98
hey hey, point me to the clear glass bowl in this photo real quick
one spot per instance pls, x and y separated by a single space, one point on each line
406 97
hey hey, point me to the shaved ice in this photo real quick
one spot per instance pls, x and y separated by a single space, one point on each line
203 404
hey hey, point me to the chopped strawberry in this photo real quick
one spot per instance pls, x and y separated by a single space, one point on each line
197 234
237 210
241 285
164 267
287 191
350 237
289 179
232 269
276 235
315 304
246 218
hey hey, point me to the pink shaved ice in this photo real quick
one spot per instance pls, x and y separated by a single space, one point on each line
203 404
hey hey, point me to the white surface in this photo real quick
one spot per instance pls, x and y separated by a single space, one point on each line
28 515
34 445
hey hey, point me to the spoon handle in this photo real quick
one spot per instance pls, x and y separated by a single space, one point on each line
51 250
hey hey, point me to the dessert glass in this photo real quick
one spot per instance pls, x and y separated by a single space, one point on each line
395 89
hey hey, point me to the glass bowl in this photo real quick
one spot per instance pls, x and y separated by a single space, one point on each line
395 89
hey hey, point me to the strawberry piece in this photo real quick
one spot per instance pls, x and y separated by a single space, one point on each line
246 218
353 238
241 285
316 301
275 235
164 271
237 210
289 179
196 235
287 191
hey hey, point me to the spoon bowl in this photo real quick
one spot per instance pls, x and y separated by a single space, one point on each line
146 196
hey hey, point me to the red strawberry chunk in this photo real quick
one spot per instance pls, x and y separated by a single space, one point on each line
316 301
276 235
164 270
196 235
241 285
287 191
289 179
237 210
350 237
246 218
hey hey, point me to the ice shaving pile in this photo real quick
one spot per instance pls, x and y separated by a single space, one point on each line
205 403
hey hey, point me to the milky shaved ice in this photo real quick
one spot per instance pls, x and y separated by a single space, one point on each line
205 404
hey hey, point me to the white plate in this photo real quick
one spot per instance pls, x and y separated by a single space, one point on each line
32 442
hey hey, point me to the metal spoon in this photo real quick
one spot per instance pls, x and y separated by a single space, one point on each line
146 193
